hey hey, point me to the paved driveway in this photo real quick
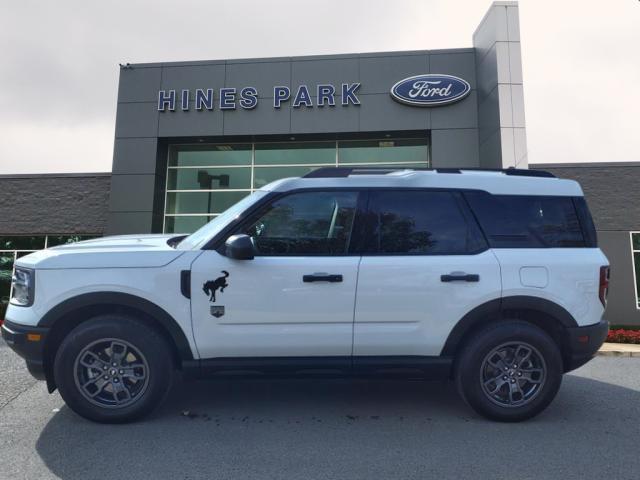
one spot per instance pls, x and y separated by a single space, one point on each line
329 429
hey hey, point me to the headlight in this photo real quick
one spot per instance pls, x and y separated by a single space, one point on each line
22 287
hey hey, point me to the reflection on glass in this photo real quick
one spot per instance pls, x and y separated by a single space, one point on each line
187 224
202 202
263 176
208 178
295 152
383 151
210 155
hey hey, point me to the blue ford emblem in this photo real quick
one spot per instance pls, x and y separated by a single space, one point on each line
430 90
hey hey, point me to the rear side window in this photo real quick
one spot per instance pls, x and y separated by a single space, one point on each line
414 222
527 221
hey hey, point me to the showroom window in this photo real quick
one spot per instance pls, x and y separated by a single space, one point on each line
16 246
205 180
635 252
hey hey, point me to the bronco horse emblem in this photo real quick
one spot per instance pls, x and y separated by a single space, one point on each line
211 286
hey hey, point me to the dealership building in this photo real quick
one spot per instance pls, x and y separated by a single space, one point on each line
193 138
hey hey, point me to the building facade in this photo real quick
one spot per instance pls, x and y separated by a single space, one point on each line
193 138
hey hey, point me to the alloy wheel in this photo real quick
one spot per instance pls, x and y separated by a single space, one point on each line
111 373
513 374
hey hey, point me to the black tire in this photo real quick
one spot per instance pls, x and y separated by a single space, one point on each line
490 390
142 369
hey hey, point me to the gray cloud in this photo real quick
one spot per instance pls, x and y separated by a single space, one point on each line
59 73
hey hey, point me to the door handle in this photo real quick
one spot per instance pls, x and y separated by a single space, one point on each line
322 277
460 277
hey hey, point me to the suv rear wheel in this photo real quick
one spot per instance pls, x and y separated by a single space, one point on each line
510 371
113 369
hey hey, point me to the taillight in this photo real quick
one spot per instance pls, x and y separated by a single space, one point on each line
603 290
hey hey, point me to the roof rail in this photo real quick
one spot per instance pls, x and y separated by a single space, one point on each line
341 172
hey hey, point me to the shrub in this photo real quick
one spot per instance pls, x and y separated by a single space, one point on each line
624 336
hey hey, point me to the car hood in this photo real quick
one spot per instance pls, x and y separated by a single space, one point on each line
106 252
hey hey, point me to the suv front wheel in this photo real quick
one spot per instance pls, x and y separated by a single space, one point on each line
113 369
510 371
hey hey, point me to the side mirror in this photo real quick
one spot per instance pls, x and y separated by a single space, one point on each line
239 247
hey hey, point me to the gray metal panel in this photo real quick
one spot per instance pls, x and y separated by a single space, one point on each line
132 193
264 119
621 305
134 155
487 74
461 65
199 76
381 112
139 84
325 119
261 75
335 71
491 151
54 204
190 123
462 114
379 74
137 120
123 223
454 148
489 115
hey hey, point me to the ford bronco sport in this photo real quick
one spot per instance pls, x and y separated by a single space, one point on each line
490 278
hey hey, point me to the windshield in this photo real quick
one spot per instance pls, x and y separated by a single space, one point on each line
201 236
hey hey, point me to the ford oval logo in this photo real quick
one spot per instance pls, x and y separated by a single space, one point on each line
430 90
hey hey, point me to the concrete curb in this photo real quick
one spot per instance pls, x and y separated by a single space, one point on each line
619 350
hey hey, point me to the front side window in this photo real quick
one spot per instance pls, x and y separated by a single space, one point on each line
419 222
307 223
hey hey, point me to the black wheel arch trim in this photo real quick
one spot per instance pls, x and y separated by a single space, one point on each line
495 310
125 300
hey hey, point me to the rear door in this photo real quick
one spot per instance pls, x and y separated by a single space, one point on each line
425 265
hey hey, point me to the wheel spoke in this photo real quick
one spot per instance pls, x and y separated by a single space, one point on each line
118 389
99 382
91 360
532 375
500 364
514 388
520 359
136 371
499 382
118 352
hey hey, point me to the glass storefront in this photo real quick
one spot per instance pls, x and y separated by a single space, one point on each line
14 247
204 180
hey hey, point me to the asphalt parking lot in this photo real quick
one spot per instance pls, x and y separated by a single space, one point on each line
326 429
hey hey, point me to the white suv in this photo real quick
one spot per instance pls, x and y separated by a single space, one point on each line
491 278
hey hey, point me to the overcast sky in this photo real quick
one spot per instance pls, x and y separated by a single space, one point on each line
59 64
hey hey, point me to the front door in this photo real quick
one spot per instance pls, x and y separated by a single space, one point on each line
296 297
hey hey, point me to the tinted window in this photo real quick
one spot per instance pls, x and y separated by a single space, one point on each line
527 221
310 223
420 222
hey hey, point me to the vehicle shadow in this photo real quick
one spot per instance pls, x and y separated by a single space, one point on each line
374 429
